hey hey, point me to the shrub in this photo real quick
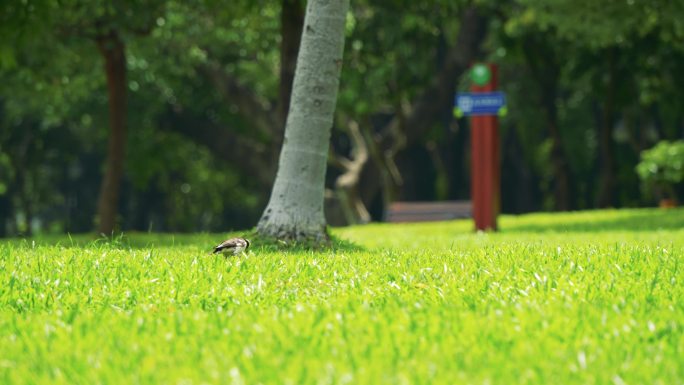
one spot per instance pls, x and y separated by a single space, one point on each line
662 167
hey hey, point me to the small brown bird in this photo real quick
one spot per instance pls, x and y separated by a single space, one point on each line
232 246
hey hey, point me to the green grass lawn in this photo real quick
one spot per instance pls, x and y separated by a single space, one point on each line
579 298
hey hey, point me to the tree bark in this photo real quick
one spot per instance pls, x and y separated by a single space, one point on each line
113 51
295 209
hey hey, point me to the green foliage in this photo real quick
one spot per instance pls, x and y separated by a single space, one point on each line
593 59
578 298
599 24
58 86
381 49
53 90
663 165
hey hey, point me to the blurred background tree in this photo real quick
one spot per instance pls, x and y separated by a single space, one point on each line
590 84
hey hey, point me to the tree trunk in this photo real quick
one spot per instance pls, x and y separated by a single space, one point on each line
542 60
5 213
291 22
295 210
22 167
113 51
606 174
561 171
24 201
380 177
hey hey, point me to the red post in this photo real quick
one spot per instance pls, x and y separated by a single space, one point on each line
485 168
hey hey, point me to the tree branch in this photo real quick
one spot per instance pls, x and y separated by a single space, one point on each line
222 142
346 185
259 111
439 94
412 121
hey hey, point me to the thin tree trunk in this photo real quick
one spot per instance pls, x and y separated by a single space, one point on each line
5 213
545 68
295 210
113 51
606 177
291 23
561 190
24 199
22 166
28 214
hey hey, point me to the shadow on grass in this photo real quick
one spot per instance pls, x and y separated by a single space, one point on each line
144 241
137 241
638 220
336 244
635 220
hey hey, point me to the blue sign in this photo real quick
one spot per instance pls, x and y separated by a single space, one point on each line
480 103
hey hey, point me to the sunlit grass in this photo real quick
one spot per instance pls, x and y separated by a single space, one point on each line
579 298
